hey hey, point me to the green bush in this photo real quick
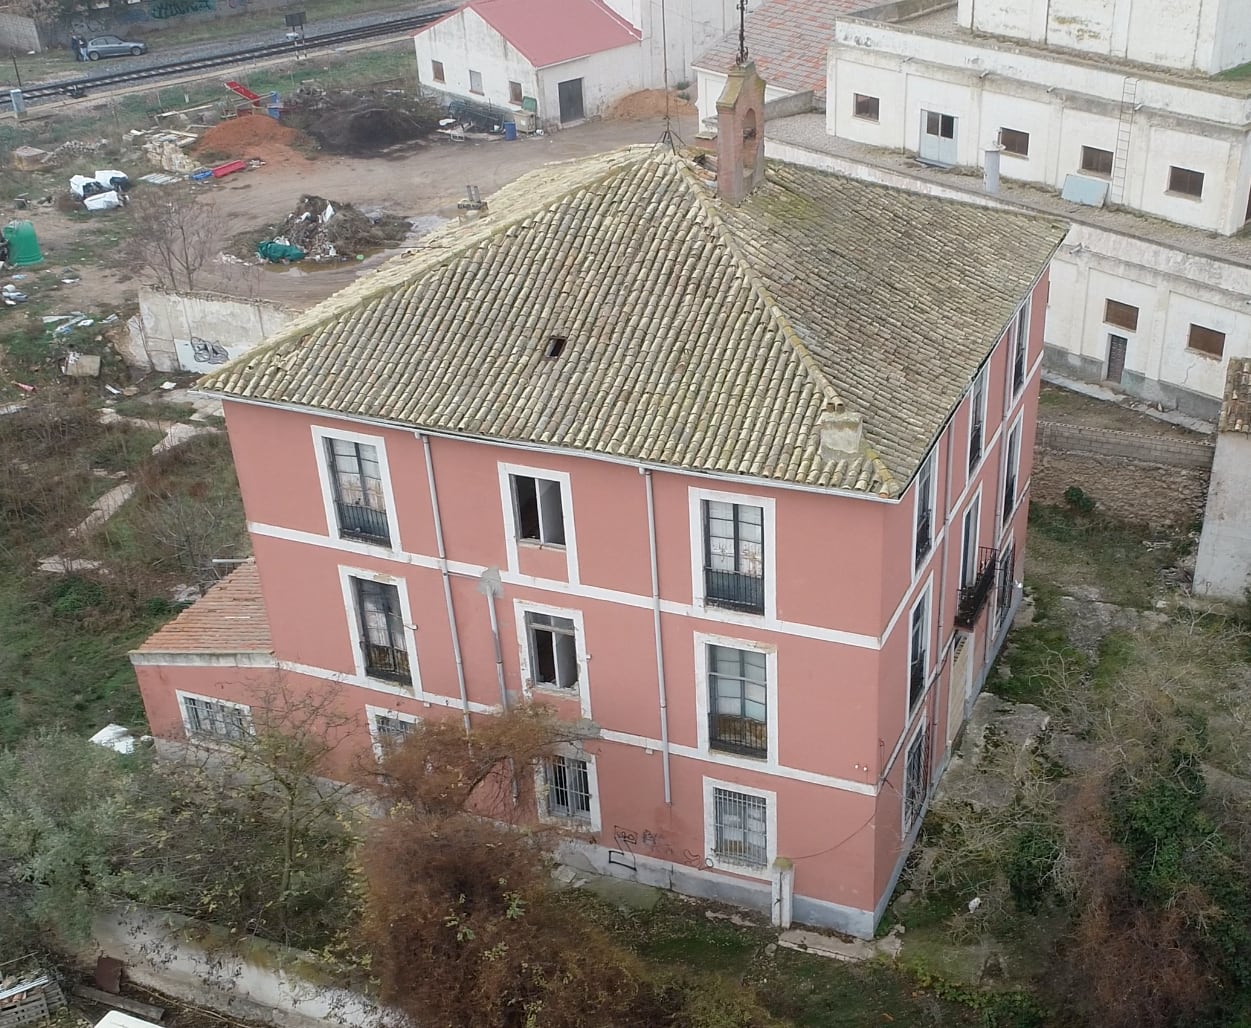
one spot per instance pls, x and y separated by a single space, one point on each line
1032 859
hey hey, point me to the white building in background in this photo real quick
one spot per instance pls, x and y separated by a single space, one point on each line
566 60
1115 104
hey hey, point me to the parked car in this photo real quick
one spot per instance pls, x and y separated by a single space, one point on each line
113 46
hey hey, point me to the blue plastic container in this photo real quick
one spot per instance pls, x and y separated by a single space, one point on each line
510 130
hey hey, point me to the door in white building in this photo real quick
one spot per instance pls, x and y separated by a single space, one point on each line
1117 347
938 137
570 95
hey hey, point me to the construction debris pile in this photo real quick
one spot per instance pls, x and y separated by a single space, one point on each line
361 122
322 230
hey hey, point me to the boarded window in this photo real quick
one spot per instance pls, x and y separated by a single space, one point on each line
1096 161
475 81
1123 315
1185 182
1206 341
867 107
1014 142
514 92
436 69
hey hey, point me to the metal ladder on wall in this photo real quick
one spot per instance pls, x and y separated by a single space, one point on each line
1124 129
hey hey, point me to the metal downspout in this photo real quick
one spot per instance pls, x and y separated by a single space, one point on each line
660 653
499 653
447 581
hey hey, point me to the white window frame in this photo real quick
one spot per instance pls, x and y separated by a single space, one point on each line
346 574
924 598
972 511
906 829
980 381
695 499
481 90
372 713
529 688
710 828
595 822
200 738
702 709
512 543
1005 518
321 438
931 463
1018 336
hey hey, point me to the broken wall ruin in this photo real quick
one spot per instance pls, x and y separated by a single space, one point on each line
196 332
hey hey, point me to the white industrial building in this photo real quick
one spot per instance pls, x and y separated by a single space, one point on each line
565 60
1108 113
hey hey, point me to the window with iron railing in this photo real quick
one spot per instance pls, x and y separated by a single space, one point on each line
734 556
741 828
918 665
382 631
568 781
359 498
925 510
738 705
1006 583
215 720
1011 468
916 777
975 593
977 420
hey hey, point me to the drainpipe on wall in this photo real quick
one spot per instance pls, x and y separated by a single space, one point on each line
490 586
942 574
660 653
447 581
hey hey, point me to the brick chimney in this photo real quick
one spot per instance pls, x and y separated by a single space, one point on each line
740 133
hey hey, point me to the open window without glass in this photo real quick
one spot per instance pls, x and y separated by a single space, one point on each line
553 651
538 510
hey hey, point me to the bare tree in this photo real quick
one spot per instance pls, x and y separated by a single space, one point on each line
175 236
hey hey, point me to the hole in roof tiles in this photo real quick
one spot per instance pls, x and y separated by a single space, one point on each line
555 346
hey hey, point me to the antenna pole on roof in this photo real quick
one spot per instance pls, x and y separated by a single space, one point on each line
741 59
668 136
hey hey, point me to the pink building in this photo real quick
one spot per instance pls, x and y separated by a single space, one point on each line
735 467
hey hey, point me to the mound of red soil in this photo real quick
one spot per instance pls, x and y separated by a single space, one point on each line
252 135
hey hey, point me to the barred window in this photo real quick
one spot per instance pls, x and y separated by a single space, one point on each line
916 777
390 731
568 781
742 828
216 720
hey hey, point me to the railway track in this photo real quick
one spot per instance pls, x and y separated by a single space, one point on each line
286 48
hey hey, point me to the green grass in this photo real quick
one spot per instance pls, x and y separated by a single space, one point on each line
1033 655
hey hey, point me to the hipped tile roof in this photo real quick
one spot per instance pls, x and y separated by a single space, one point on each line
698 335
229 618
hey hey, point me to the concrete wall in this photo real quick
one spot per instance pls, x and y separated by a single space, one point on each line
1223 568
1199 35
690 26
464 42
197 331
1062 105
19 33
203 964
137 19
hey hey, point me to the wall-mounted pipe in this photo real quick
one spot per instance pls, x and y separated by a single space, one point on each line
447 580
660 652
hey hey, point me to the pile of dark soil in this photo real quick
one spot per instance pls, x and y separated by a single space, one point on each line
363 122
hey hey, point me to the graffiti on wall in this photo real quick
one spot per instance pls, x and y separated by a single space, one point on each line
162 9
120 14
628 843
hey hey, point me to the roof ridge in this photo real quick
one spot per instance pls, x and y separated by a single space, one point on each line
833 399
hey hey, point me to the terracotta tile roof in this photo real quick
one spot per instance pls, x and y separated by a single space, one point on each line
229 618
698 335
788 40
1236 410
553 31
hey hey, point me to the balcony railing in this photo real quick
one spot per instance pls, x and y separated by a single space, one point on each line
973 597
733 734
359 522
924 538
734 591
386 662
916 678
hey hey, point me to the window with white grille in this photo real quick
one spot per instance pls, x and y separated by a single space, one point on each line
215 719
740 828
568 785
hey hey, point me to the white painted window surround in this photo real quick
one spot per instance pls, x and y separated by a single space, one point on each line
762 553
347 579
529 675
567 791
209 720
322 439
739 832
553 498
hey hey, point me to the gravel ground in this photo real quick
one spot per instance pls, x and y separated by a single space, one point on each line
229 44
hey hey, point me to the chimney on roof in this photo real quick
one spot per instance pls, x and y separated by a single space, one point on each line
840 433
740 133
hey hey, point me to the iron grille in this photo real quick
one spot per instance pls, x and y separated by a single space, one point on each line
742 830
917 777
734 591
391 731
386 662
360 522
216 720
733 734
923 535
568 788
973 596
1004 586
